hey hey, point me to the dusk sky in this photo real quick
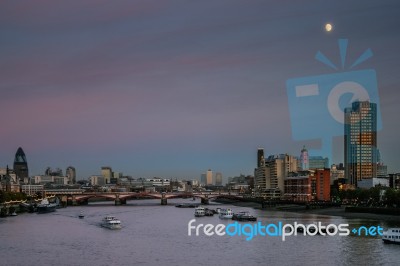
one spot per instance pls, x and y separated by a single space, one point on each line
173 88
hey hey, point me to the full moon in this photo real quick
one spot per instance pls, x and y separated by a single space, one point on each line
328 27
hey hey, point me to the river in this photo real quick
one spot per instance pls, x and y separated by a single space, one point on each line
158 235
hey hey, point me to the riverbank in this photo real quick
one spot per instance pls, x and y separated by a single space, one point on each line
331 211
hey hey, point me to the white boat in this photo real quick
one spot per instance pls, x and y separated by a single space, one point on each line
392 235
199 212
13 214
111 222
225 214
81 215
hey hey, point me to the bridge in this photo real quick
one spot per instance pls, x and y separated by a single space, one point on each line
81 197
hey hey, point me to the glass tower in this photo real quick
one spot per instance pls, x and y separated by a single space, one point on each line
360 142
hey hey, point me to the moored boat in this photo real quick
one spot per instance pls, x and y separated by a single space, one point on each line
391 236
225 214
111 222
199 211
208 212
45 206
187 205
244 216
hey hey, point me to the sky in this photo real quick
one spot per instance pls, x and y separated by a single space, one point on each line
174 88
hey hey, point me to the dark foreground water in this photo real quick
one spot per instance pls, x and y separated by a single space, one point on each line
158 235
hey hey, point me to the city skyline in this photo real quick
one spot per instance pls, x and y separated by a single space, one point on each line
175 88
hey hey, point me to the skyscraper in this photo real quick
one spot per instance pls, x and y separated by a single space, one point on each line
269 176
71 174
218 179
106 172
209 177
260 157
304 163
360 141
21 165
203 179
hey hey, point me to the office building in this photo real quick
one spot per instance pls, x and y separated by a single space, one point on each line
209 177
70 173
21 166
360 141
107 174
218 179
269 177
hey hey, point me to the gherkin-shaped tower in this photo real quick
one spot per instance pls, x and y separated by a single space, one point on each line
21 165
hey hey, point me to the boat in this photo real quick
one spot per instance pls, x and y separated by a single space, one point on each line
81 216
187 205
13 213
391 236
208 212
111 222
225 214
45 206
244 216
199 212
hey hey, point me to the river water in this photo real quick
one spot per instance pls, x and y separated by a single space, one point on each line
158 235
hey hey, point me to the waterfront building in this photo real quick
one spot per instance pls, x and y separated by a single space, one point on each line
70 172
336 174
269 177
159 182
373 182
209 177
311 185
394 181
96 180
8 180
107 174
21 165
32 189
218 179
360 141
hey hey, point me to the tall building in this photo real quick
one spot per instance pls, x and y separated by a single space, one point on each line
260 156
203 180
269 177
218 179
107 174
308 185
21 165
71 174
360 141
304 163
209 177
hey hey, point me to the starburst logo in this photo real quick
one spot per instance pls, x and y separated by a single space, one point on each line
316 103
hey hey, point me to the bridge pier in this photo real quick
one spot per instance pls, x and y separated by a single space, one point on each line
74 201
205 200
117 200
163 199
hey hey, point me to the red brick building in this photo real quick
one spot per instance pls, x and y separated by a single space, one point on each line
304 186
